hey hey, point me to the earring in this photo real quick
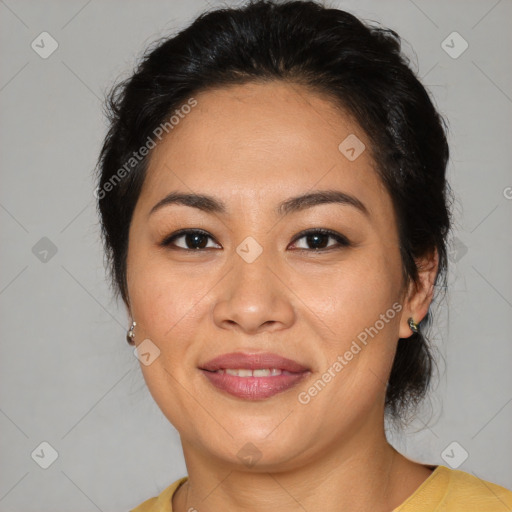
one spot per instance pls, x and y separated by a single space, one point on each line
130 334
415 327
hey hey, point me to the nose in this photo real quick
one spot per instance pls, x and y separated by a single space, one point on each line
254 297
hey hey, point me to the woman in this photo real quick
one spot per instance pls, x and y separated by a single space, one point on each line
274 208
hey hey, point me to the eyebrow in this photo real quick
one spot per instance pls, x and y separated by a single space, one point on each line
211 204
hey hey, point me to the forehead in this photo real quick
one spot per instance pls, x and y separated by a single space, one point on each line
263 140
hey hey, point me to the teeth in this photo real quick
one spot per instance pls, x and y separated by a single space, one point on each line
239 373
261 373
243 372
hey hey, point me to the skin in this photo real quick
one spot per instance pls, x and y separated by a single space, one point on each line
253 146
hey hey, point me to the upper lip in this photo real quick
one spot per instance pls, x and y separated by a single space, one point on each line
258 361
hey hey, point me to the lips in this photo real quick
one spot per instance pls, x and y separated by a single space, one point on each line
244 376
253 362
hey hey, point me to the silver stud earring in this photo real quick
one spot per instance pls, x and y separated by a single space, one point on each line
415 327
130 334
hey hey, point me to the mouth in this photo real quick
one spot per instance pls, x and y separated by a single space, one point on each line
253 376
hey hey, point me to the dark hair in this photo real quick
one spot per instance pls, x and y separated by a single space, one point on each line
359 66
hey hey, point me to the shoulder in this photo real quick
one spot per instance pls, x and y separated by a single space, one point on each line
450 490
473 493
162 502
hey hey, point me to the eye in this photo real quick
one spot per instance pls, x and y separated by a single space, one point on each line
192 240
318 239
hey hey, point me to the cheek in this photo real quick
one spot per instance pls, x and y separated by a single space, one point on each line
164 296
166 302
360 305
351 296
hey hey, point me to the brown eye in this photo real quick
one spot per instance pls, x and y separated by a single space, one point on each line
315 240
190 240
318 240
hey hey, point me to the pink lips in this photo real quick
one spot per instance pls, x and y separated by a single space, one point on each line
253 388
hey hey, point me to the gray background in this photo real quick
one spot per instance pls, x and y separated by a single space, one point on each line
67 375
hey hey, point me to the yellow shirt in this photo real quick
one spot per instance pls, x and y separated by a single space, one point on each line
445 490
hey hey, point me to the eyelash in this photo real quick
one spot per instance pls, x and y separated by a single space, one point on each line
340 239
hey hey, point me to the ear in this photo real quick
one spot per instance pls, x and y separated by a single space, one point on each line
419 294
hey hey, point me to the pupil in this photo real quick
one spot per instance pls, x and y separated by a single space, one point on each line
198 241
314 241
194 240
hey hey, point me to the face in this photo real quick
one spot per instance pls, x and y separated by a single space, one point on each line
317 281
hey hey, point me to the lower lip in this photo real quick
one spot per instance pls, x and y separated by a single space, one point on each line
254 388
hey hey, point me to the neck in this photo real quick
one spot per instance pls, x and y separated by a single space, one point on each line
366 473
